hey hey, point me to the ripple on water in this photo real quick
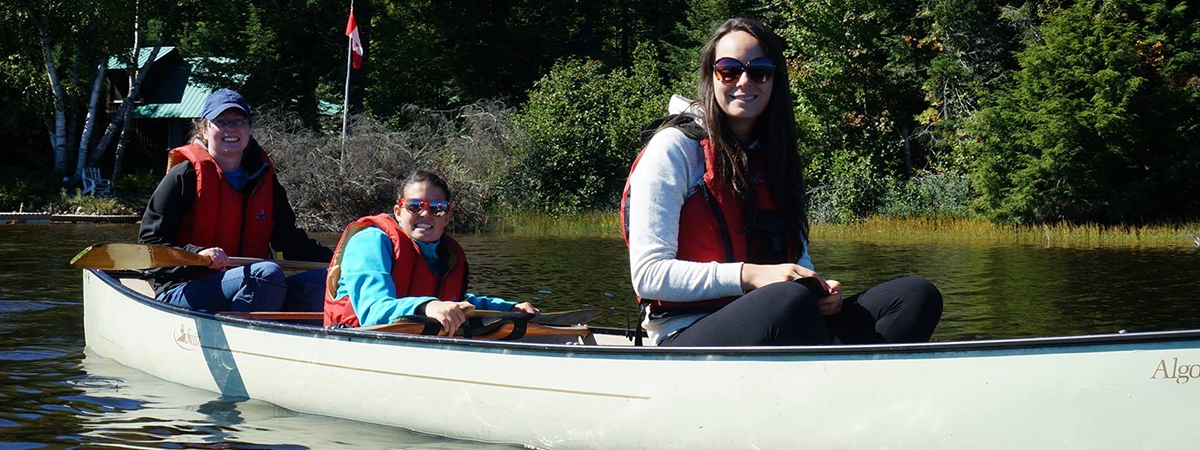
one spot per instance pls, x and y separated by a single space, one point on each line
34 353
22 306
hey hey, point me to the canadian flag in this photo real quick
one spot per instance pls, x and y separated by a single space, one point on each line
356 48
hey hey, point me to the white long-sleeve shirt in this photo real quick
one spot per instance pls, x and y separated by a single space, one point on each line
671 169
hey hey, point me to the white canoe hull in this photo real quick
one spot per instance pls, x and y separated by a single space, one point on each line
1093 392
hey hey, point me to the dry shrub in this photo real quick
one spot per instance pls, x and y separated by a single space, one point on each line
470 147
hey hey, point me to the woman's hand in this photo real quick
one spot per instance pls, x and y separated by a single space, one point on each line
450 314
526 307
217 256
755 276
832 303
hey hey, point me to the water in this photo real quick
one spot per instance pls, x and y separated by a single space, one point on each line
54 395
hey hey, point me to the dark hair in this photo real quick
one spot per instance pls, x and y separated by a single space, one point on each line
421 176
775 129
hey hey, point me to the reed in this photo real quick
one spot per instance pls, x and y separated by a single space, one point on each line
895 231
974 231
592 224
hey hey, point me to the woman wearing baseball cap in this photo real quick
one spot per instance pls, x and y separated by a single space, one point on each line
220 198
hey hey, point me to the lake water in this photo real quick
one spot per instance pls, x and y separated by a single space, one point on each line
54 395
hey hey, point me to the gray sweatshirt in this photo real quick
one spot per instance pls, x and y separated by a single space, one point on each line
670 170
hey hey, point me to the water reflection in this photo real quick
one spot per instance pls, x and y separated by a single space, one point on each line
1022 291
52 395
130 408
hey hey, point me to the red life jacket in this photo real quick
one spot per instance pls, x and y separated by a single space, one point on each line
221 216
717 229
410 273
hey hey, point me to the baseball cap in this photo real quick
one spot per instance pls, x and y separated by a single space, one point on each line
221 100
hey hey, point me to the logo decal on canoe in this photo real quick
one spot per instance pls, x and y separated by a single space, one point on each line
1181 373
187 338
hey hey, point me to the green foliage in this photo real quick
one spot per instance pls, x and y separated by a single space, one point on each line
21 195
277 54
452 52
850 190
1047 110
583 123
1098 123
973 41
142 183
75 203
856 79
944 195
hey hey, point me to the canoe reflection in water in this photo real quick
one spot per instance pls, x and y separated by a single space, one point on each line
129 408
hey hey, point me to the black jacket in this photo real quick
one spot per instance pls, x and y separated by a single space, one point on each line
174 197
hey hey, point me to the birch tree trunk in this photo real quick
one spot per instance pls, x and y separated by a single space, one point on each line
58 135
85 137
119 156
127 105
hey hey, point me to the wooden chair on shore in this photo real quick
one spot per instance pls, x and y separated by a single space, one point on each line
93 184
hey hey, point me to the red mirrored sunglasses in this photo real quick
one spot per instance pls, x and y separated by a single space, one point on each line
415 205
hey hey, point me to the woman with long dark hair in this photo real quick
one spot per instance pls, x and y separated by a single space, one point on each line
717 226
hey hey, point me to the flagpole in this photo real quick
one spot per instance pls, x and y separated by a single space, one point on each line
346 98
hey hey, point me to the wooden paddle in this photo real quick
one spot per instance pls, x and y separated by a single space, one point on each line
506 326
145 256
556 319
504 330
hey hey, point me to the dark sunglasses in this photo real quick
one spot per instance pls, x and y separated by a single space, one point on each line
729 70
415 205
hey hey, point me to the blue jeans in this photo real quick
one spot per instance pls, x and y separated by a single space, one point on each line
261 286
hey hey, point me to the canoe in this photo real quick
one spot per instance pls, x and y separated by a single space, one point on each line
1112 391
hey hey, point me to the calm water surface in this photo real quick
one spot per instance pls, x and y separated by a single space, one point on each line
54 395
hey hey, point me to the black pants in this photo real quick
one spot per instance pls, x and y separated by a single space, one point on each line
900 310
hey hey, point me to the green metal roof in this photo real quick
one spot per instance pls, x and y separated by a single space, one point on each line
143 54
190 102
177 94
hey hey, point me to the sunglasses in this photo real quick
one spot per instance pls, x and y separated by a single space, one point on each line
729 70
235 123
438 208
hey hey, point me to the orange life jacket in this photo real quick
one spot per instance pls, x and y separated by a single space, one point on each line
410 273
716 227
241 224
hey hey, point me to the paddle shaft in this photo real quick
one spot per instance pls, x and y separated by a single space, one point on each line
501 331
284 263
147 256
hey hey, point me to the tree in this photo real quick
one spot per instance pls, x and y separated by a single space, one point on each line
453 52
277 53
583 122
62 50
974 42
857 80
1099 123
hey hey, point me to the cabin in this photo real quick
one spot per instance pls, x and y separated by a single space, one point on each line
169 101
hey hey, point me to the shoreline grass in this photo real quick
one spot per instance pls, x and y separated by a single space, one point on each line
897 231
523 223
975 231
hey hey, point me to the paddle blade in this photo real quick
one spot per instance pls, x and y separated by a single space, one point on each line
134 256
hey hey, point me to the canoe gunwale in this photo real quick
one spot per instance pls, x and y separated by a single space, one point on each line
1044 344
